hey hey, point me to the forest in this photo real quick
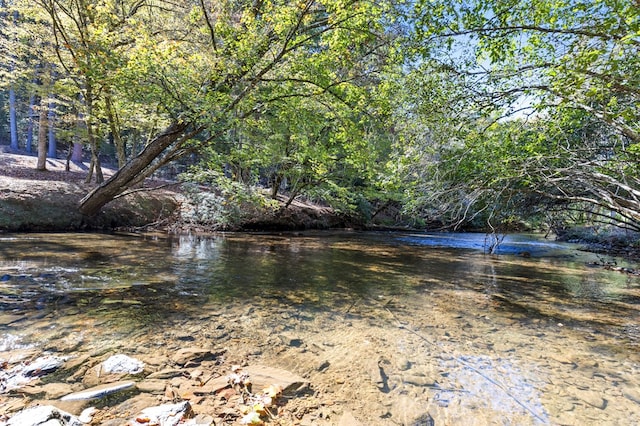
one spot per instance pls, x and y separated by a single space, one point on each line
492 114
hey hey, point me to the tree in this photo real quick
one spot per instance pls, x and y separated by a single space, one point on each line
7 36
228 63
561 73
23 37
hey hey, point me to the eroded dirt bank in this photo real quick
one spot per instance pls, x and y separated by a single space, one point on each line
47 201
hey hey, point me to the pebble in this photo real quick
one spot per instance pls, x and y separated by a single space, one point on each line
87 414
403 364
289 340
323 365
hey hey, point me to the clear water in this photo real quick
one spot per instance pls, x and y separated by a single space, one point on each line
408 323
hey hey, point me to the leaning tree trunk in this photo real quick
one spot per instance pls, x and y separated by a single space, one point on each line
92 203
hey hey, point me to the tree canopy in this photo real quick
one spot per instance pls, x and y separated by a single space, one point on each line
481 112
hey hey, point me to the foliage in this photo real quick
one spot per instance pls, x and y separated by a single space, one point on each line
218 202
549 120
480 112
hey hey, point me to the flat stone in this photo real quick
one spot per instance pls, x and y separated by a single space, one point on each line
632 394
43 415
43 365
56 390
213 386
99 391
152 386
165 374
592 398
76 361
263 376
136 404
25 372
289 340
186 355
419 380
155 360
562 359
403 364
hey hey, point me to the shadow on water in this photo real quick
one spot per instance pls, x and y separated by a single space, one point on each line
328 272
484 322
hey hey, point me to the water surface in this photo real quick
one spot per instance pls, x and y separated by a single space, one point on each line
407 323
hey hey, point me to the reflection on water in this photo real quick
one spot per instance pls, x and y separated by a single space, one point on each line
470 338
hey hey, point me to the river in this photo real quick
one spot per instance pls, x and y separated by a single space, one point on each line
393 328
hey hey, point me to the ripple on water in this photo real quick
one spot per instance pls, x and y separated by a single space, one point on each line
496 384
11 342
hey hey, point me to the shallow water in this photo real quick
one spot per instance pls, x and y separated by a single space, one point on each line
408 324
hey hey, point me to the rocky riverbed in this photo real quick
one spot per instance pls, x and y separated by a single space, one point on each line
188 387
223 368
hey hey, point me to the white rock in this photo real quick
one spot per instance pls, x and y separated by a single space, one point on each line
164 415
45 415
87 414
122 364
23 373
98 391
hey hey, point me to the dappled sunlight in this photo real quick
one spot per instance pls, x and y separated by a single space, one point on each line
386 329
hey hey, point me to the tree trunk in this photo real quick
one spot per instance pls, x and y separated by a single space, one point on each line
52 152
93 143
42 136
115 131
92 203
32 118
76 157
67 166
13 121
276 181
92 165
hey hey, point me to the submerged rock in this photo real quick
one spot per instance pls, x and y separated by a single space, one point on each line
23 373
262 376
347 419
43 415
423 420
192 355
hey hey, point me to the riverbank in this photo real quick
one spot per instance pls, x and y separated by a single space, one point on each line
46 201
